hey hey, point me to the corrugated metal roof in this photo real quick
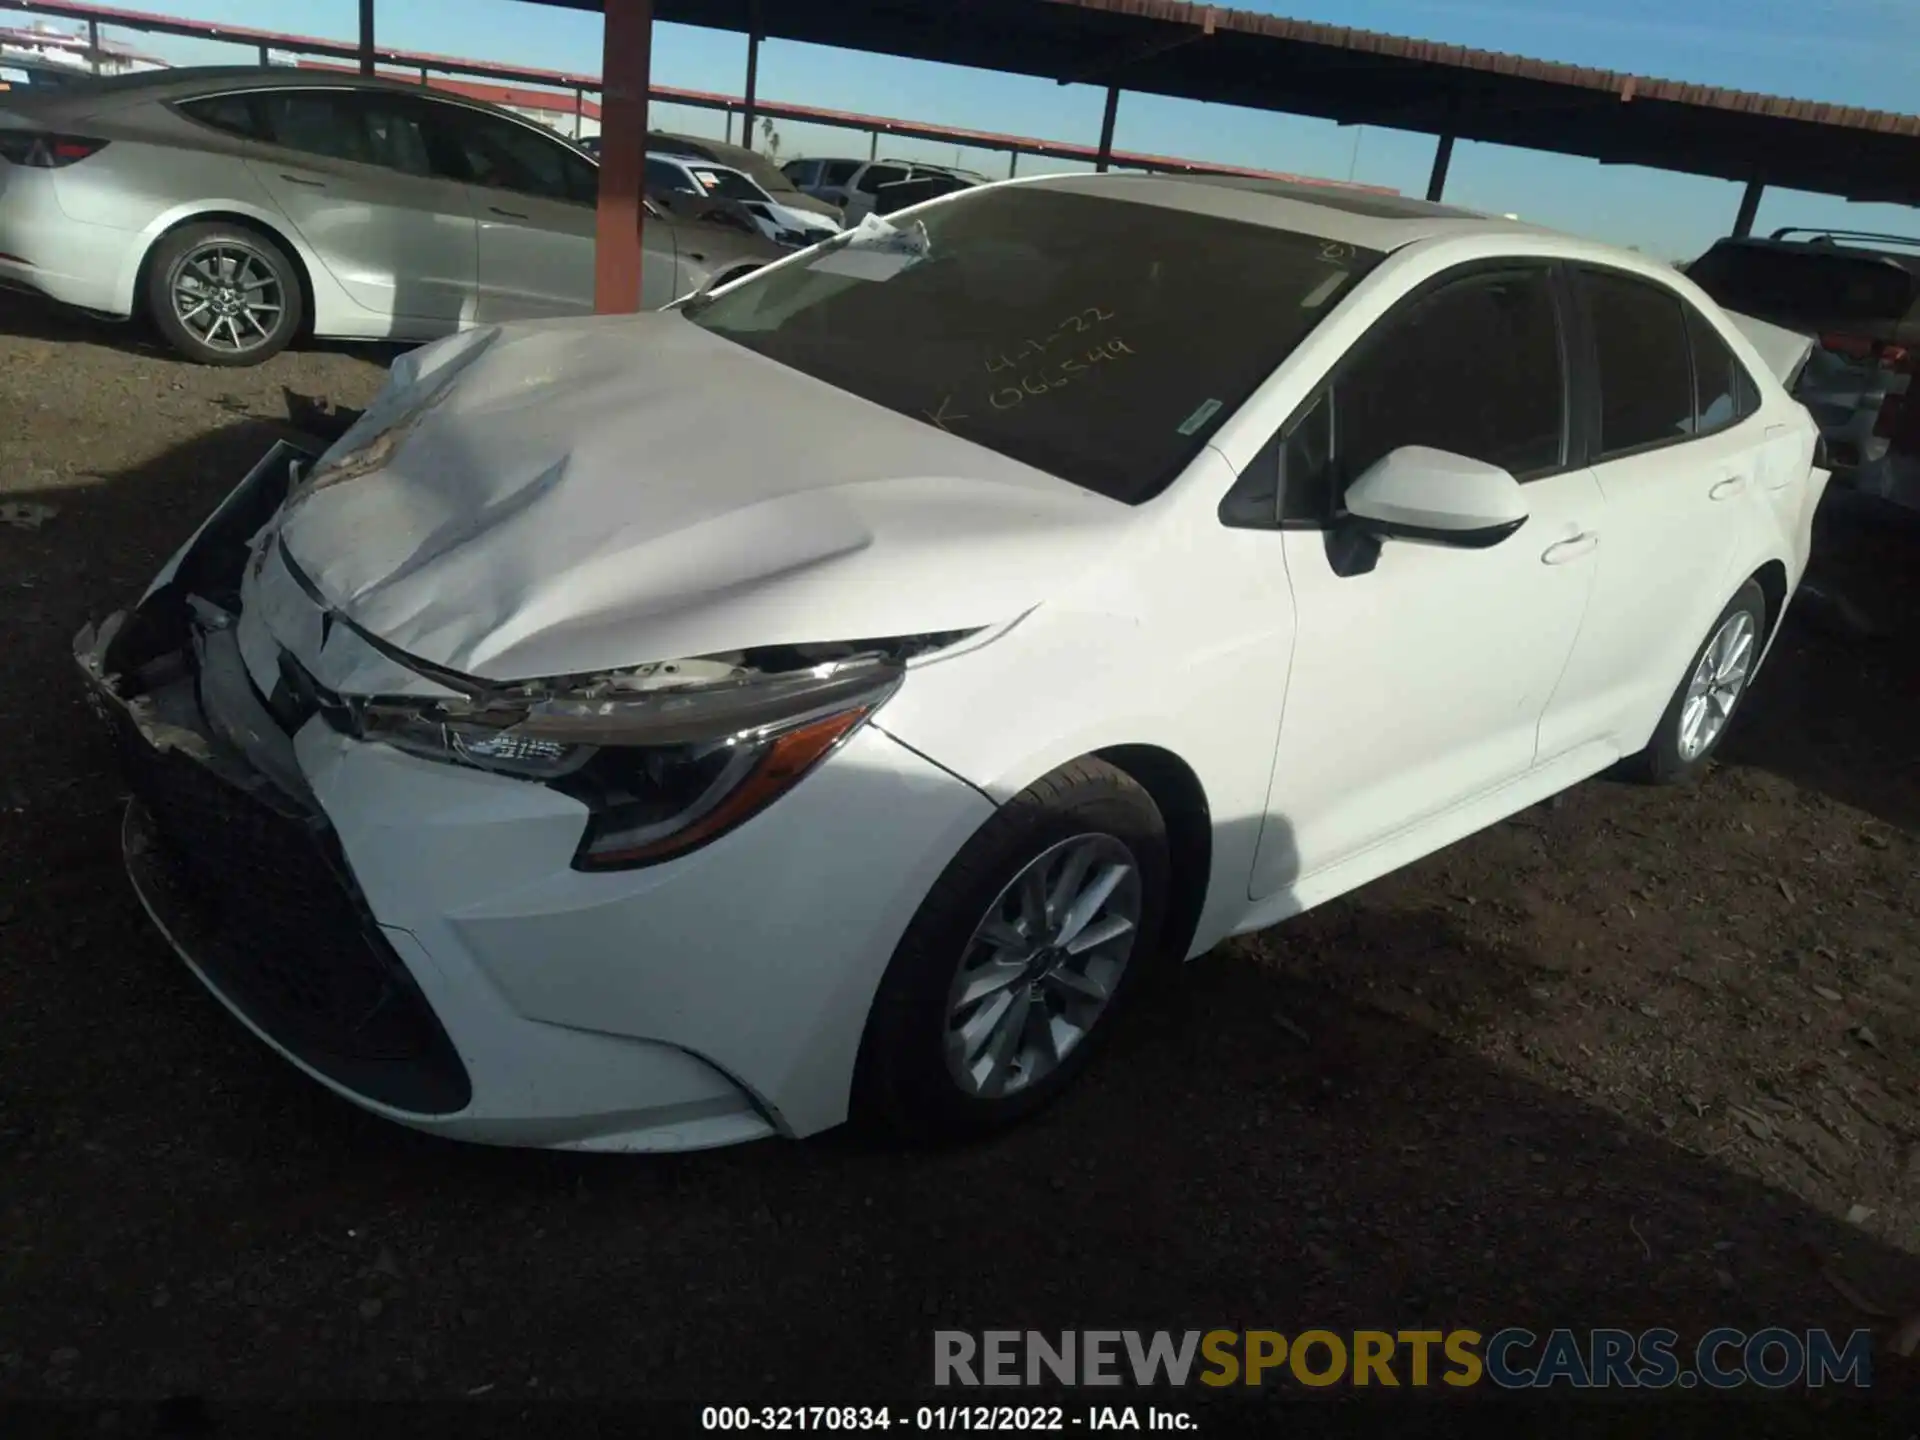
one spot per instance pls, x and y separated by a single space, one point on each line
1460 57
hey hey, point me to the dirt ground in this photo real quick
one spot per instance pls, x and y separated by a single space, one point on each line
1636 1057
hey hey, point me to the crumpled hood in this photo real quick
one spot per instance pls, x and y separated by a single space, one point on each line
571 496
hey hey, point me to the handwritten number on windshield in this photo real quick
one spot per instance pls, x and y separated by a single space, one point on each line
1069 370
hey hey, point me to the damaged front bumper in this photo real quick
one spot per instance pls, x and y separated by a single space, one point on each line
226 846
241 866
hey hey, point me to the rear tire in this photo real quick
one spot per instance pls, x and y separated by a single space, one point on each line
223 294
918 1077
1696 720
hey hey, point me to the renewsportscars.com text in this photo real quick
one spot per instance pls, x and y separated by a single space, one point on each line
1512 1358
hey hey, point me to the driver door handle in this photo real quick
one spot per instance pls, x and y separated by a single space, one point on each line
1728 488
510 214
1571 549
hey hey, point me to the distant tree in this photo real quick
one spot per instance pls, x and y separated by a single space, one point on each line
769 139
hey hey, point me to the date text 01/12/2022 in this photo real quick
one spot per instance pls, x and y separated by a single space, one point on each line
975 1419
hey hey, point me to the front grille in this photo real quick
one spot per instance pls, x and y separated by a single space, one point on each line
265 904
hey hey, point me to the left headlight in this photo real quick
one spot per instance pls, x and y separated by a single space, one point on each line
661 770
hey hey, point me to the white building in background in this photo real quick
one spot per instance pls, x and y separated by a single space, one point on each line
41 44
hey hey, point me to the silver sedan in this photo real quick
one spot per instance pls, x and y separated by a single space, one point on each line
239 208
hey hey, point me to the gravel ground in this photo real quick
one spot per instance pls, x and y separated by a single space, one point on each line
1633 1057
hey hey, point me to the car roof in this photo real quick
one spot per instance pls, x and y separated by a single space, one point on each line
190 82
1358 217
1841 244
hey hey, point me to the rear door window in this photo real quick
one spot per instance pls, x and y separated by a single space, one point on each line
1646 377
837 172
502 154
365 127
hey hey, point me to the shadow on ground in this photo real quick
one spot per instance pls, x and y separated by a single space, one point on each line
1841 709
185 1214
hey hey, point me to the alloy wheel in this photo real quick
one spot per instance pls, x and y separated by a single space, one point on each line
227 296
1716 684
1042 965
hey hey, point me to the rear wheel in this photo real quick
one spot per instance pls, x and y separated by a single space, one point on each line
1018 960
1697 717
223 294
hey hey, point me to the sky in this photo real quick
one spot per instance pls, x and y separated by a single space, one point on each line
1856 52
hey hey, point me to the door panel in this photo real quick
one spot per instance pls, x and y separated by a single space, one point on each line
1419 684
352 177
1675 526
1682 505
533 199
536 256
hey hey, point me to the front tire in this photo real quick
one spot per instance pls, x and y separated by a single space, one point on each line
1696 719
1013 969
223 294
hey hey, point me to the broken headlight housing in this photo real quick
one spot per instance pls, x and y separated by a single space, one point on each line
665 757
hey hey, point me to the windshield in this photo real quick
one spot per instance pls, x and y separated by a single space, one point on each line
726 184
1100 340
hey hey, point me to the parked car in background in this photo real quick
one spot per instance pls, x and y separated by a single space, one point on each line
922 186
822 178
669 175
236 208
592 748
767 175
1859 294
859 193
21 72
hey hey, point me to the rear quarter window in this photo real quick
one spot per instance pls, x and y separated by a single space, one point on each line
233 114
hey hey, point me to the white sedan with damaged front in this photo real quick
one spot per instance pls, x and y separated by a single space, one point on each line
831 699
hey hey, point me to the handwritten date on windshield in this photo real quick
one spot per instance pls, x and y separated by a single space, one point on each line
1080 323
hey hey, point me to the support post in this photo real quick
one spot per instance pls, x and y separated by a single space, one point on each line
1442 158
1106 128
579 111
423 75
873 146
93 46
1749 208
753 71
726 123
366 37
266 57
625 62
1013 163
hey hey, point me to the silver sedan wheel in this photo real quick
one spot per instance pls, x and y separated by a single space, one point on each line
227 296
1716 684
1042 965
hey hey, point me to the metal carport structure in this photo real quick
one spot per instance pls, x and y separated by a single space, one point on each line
1265 62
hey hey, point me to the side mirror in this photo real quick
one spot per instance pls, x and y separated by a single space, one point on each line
1417 493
